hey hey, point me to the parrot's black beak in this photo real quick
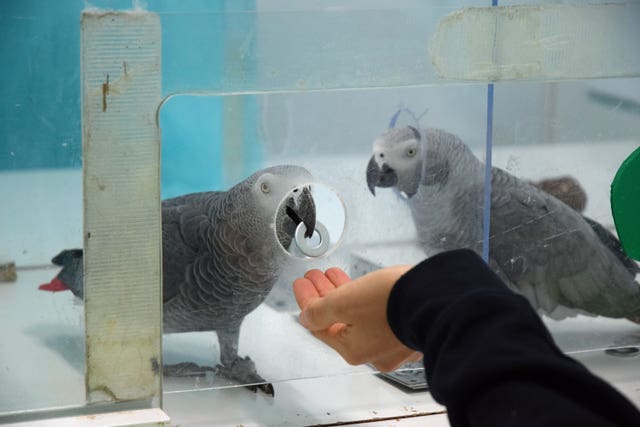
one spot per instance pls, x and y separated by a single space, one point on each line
380 176
302 208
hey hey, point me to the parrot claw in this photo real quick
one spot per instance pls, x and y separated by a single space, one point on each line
266 388
243 371
240 370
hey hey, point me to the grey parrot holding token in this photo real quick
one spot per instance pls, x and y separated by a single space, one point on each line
563 262
222 252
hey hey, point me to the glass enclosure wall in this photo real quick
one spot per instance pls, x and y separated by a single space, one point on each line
388 118
570 138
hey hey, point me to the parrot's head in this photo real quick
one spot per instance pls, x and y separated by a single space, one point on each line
67 256
396 161
283 194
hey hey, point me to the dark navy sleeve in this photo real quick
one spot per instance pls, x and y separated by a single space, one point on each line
488 357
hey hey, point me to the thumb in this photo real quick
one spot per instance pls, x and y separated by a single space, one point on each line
319 314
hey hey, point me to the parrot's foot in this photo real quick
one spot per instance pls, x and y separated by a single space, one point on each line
186 369
243 371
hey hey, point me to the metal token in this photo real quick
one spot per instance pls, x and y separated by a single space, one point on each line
304 244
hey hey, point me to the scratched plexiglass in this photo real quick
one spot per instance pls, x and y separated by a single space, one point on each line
255 84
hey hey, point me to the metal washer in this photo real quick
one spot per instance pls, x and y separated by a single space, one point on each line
303 243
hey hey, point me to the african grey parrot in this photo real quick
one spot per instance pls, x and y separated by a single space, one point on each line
221 257
561 261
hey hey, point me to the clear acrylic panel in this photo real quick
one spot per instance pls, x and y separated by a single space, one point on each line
41 208
323 110
253 84
99 343
571 138
331 135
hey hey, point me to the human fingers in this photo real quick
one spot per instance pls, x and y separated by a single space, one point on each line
348 301
337 276
321 313
304 291
321 282
314 284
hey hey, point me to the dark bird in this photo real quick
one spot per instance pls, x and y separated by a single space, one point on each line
222 253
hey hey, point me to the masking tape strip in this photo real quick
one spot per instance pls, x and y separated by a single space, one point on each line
121 91
538 42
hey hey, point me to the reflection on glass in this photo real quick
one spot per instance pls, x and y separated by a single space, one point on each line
230 318
561 261
351 229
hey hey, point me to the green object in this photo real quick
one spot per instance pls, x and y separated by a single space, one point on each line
625 204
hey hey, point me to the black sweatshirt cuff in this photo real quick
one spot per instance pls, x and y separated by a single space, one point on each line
422 293
464 319
488 355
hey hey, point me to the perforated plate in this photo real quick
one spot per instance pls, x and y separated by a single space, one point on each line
410 375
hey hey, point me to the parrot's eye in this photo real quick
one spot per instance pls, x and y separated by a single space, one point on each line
265 187
411 152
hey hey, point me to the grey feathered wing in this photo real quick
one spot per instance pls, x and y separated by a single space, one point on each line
184 227
552 255
207 280
198 290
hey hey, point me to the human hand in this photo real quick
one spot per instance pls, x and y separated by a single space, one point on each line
351 316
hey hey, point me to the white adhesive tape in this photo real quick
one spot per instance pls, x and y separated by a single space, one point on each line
538 42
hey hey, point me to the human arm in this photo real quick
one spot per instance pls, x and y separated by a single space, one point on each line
350 316
488 357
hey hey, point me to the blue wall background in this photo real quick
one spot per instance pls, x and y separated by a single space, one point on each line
40 122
